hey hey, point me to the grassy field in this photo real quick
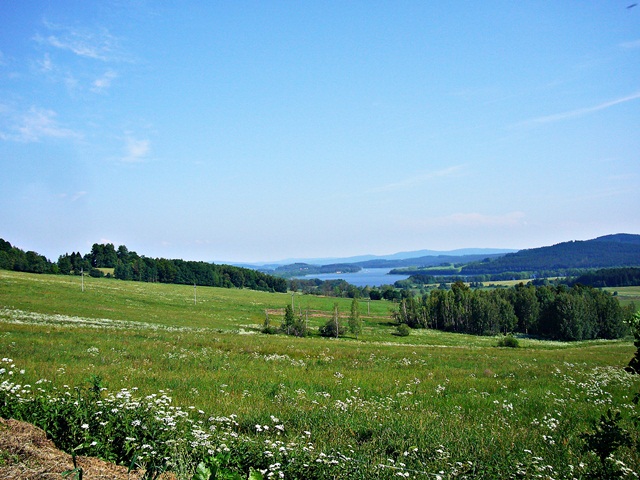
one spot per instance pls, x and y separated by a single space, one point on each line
626 295
424 406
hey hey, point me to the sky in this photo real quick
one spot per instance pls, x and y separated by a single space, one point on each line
245 131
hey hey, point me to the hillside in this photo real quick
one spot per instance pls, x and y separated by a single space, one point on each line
620 250
428 261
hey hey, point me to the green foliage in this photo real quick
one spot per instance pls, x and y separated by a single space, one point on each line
267 327
292 325
76 471
95 273
289 319
508 341
610 277
12 258
355 323
403 330
215 467
333 327
559 313
634 364
608 437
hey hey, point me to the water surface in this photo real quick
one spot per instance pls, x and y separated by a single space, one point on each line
373 277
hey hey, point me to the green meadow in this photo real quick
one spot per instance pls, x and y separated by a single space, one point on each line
626 295
429 405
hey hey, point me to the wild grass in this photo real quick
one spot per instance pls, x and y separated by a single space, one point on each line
427 405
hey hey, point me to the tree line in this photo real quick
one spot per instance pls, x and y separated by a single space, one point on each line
610 277
128 265
553 312
12 258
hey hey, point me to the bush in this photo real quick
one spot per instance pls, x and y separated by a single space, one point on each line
403 330
508 341
269 330
95 273
329 329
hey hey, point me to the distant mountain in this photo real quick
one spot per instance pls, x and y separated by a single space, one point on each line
428 261
393 259
619 250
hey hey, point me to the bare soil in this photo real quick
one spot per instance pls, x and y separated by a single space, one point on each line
27 454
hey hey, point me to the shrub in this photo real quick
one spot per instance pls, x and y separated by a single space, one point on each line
508 341
403 330
269 330
329 329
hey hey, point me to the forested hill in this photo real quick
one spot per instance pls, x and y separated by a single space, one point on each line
128 265
620 250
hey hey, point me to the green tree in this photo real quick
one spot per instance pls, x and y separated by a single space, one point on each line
64 264
526 307
568 312
288 321
355 324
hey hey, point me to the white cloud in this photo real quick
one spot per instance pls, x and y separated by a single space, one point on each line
46 65
104 82
136 150
418 179
580 112
37 124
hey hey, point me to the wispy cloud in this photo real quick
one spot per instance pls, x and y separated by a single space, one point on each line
74 197
45 65
581 112
136 150
418 179
104 82
97 44
35 125
93 47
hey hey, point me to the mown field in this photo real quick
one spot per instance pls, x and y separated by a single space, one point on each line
424 406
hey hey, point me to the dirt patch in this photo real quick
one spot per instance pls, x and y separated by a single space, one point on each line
27 454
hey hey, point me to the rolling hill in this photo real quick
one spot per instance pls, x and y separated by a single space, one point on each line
619 250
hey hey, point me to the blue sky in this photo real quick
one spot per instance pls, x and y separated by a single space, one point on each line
248 131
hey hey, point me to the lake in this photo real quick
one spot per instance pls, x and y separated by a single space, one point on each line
374 277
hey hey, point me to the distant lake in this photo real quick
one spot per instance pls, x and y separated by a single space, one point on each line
374 277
